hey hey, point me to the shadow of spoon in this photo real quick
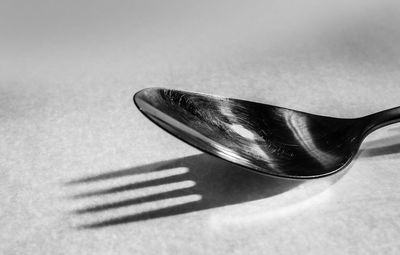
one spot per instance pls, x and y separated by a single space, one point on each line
215 182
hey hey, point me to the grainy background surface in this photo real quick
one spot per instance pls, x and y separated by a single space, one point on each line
68 71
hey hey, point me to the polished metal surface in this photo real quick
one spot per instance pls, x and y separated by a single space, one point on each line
267 139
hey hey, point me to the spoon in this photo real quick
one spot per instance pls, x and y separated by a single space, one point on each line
264 138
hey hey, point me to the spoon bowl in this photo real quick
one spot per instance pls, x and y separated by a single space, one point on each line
267 139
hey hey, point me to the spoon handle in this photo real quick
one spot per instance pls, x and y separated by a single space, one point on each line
383 118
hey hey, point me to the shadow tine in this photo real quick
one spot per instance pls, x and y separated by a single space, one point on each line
164 212
144 184
125 172
128 202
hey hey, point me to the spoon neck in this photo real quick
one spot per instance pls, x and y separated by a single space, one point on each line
383 118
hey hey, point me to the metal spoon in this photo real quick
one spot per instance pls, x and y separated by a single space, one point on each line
264 138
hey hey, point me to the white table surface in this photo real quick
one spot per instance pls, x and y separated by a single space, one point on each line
84 172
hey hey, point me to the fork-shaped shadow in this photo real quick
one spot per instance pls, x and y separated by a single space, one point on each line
212 183
209 182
